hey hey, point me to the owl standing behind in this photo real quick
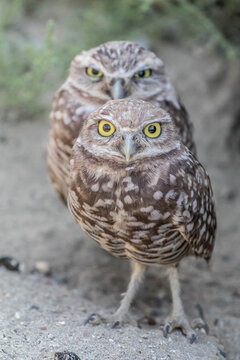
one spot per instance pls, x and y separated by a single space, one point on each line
113 70
139 192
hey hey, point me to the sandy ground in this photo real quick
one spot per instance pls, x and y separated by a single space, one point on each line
34 225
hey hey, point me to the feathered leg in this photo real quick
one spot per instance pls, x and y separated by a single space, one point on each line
121 315
178 318
133 286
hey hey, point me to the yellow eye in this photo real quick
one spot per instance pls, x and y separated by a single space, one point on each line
105 128
93 72
152 130
143 73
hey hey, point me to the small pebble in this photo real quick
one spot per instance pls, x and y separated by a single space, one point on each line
65 355
60 322
9 263
17 315
43 267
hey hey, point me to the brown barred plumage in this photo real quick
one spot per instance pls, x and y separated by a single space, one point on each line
81 94
146 199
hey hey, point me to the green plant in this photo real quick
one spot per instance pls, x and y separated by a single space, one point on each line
24 73
201 20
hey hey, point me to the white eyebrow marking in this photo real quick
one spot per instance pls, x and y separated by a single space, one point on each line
106 117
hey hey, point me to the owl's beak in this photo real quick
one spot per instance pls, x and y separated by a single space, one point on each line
129 147
117 91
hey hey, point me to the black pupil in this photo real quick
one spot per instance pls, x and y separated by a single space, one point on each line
152 129
106 127
141 73
95 71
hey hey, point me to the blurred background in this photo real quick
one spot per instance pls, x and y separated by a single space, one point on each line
199 42
38 39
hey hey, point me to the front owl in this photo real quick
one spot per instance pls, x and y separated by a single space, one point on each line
141 194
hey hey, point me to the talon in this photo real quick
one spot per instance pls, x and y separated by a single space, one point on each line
222 353
116 324
192 338
90 318
116 319
166 330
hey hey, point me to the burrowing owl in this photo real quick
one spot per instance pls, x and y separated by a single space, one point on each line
113 70
139 192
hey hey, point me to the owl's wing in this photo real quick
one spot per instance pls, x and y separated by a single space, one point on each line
194 215
67 115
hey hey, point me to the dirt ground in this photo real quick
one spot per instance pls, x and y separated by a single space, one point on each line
40 315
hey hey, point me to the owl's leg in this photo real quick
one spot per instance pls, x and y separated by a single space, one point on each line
136 279
178 318
121 315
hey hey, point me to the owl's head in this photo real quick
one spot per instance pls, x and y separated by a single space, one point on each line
128 130
116 70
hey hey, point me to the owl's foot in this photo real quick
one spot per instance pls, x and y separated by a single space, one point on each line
179 322
117 319
178 319
121 316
